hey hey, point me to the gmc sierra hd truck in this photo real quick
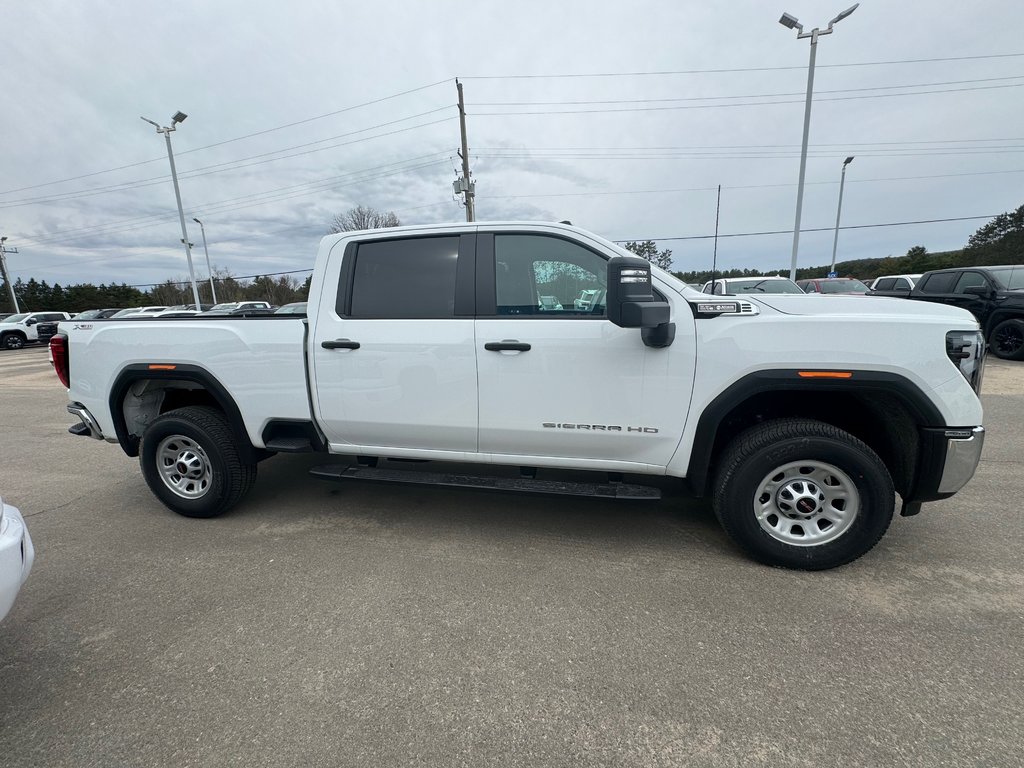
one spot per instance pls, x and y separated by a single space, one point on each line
801 417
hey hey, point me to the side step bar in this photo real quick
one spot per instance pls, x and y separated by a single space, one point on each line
506 484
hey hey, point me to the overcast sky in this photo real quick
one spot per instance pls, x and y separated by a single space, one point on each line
299 111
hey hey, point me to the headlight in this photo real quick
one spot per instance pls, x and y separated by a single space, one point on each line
966 350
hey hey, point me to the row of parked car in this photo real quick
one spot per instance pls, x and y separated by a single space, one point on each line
994 295
17 330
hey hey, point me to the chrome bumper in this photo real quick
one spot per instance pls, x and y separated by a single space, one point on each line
79 410
963 452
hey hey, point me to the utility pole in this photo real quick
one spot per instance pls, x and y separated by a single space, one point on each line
464 185
7 278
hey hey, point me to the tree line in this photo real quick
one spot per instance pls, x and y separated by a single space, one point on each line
1000 241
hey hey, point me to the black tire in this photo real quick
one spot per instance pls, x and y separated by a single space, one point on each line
1007 339
781 468
191 462
12 341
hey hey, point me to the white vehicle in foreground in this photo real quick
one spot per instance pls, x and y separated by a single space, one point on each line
16 555
801 418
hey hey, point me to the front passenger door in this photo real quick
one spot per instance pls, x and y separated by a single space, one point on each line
562 383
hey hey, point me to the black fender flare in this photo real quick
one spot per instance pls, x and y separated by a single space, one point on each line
133 373
923 410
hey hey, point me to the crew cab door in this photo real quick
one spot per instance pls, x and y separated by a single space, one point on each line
557 379
394 359
949 288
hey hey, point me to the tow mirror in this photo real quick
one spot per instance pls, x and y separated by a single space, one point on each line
631 302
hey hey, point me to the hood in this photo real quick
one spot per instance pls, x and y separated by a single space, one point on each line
860 306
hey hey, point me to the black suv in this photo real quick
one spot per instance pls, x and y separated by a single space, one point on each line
994 295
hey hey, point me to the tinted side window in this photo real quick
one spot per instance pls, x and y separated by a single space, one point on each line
902 284
885 284
412 278
548 276
941 282
970 280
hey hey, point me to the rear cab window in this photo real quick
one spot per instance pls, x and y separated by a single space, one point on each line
406 278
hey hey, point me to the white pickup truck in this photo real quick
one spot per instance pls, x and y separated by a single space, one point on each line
801 417
18 330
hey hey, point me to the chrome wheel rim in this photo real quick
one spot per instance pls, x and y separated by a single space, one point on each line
806 503
184 467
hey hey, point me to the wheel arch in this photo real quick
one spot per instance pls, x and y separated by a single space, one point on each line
882 409
167 389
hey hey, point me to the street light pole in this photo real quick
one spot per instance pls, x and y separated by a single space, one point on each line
839 210
209 271
166 131
792 23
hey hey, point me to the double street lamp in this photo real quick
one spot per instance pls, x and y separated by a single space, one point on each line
213 291
166 131
792 23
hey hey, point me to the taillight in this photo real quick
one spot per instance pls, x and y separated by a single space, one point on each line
59 358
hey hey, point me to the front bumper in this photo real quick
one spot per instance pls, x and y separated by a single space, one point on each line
947 460
16 555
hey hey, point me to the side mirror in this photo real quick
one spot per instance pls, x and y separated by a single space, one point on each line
631 303
978 290
31 321
630 299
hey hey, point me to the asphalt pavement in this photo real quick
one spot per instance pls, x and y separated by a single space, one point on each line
371 625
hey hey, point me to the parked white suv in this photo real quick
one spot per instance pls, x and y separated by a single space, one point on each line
18 330
756 285
894 282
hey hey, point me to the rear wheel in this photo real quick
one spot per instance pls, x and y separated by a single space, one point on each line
1007 339
803 494
192 463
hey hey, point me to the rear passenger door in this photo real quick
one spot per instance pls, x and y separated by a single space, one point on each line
394 361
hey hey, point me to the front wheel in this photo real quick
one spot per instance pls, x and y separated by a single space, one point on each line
12 341
191 461
803 494
1007 339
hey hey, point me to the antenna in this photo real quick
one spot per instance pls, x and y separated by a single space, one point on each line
714 255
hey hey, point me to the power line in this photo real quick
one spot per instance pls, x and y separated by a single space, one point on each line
743 96
222 207
737 187
240 277
815 229
739 104
233 165
228 141
741 69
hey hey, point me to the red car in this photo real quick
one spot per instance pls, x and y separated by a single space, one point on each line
833 285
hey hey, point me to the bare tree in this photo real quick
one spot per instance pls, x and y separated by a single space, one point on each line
361 217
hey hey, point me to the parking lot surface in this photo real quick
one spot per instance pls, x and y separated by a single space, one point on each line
370 625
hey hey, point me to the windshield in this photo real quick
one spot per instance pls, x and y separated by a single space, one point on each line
843 286
15 318
761 285
1010 278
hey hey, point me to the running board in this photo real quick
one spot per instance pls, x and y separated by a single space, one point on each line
479 482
